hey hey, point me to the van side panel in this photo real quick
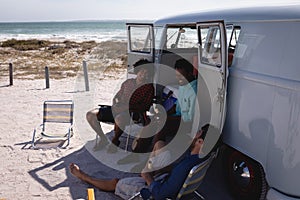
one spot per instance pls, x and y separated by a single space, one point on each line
263 118
248 119
284 148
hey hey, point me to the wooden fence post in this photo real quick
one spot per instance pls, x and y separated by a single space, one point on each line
86 76
11 76
47 77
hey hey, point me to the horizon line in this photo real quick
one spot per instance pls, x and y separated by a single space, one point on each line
80 20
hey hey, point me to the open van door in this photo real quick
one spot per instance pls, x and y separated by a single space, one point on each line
140 43
212 77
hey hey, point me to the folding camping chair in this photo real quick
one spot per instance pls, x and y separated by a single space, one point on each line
195 177
56 112
193 180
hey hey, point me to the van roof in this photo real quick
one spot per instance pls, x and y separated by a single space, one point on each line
274 13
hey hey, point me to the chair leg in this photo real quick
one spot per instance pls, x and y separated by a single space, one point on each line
199 195
33 138
42 127
135 196
128 134
69 136
69 133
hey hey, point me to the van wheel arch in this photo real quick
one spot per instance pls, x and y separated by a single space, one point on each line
245 177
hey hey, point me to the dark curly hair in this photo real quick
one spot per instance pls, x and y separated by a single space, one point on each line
184 65
143 64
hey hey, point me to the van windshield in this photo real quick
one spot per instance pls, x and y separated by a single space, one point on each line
179 37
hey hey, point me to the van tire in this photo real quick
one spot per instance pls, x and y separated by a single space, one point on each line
254 186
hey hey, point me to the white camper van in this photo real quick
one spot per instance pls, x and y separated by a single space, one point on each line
248 69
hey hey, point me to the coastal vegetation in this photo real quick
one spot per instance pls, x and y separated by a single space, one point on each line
24 45
64 58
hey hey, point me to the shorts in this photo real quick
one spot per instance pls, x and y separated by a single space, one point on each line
159 161
127 187
105 114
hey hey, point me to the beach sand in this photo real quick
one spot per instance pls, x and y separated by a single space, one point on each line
26 173
43 173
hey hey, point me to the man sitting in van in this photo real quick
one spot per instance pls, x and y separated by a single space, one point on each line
182 112
134 96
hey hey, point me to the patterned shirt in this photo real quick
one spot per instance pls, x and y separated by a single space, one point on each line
134 97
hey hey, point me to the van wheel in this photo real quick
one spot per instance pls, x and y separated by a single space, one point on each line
246 178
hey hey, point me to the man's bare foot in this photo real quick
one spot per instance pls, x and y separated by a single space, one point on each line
75 171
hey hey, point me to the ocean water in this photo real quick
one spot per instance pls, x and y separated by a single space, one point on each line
77 30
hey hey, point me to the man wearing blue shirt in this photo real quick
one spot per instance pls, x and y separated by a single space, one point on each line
180 118
185 104
167 188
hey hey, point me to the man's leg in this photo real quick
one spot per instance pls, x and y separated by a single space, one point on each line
155 151
121 120
170 127
92 119
104 185
145 137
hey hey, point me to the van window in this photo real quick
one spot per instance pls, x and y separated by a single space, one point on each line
210 45
140 40
233 34
234 37
158 31
181 37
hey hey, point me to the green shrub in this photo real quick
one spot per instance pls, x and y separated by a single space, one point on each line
25 45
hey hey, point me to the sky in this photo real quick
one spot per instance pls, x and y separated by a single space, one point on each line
65 10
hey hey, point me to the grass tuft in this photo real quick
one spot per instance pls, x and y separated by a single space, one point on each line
25 45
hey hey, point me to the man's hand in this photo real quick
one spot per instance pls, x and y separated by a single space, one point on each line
148 177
